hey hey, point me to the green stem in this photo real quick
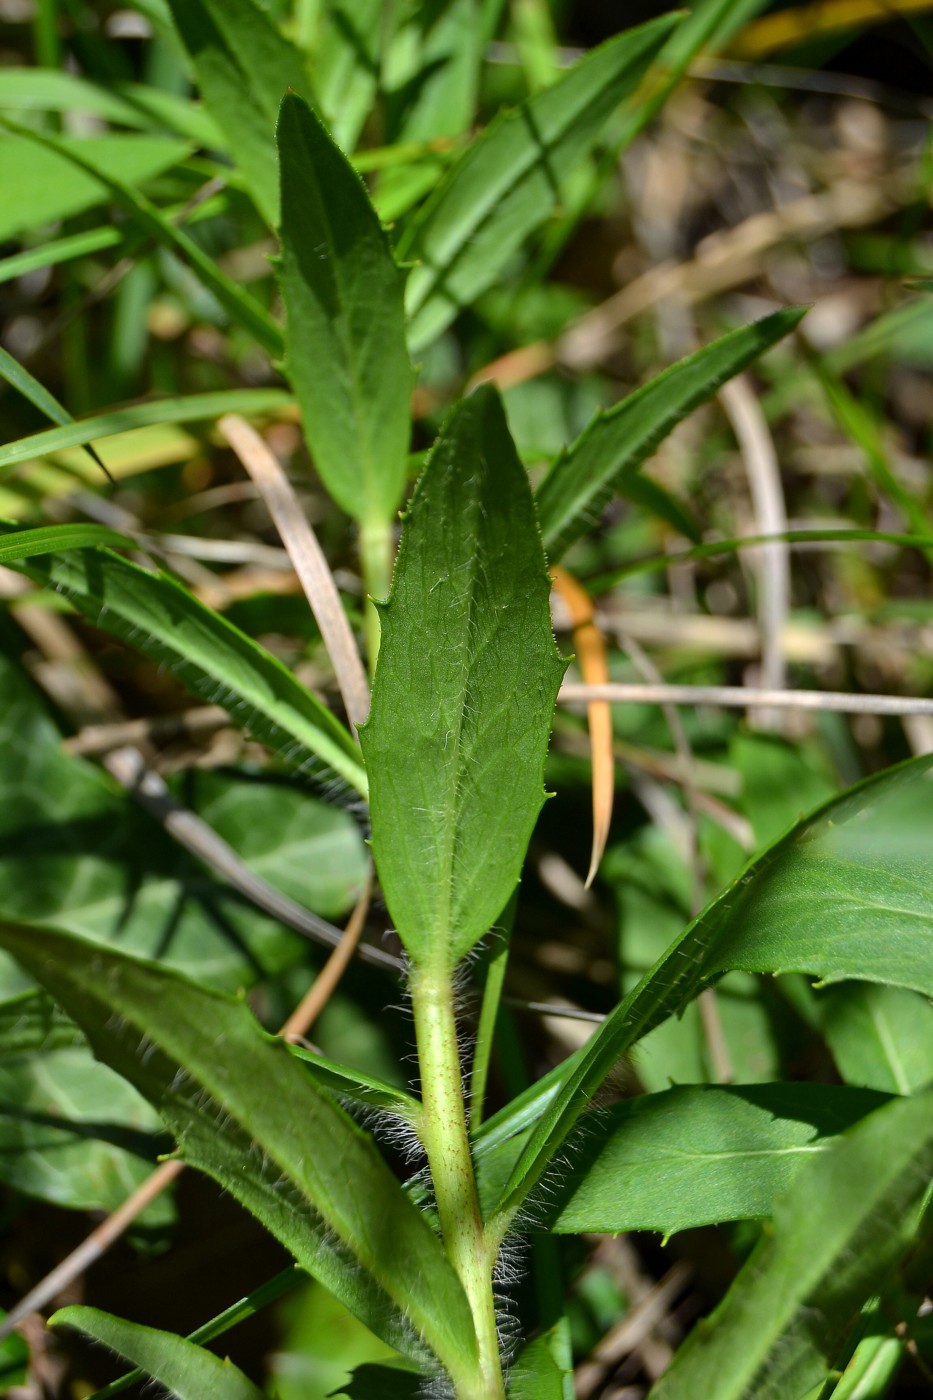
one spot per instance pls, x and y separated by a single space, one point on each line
376 562
447 1144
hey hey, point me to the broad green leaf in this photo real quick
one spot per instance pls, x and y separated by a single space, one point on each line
242 308
245 1111
214 659
509 180
346 64
383 1381
844 895
345 338
127 104
244 65
59 188
842 1227
187 409
464 691
615 444
690 1156
881 1037
31 1021
187 1370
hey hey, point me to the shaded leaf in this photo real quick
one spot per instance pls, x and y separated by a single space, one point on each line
614 445
190 1372
508 181
214 659
845 894
345 337
346 65
543 1369
382 1381
464 691
837 1234
253 1119
881 1037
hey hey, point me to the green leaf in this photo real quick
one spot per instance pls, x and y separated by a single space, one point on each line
464 691
19 377
382 1381
346 65
881 1037
128 104
837 1234
509 180
363 1089
345 339
214 659
59 187
185 409
244 65
845 894
253 1119
239 305
190 1372
614 445
543 1369
689 1156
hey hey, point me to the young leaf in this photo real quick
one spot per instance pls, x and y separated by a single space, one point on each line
464 691
244 1111
215 660
245 65
845 894
614 445
190 1372
345 335
509 180
843 1225
689 1156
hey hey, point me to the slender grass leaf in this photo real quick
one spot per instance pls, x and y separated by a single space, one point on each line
614 445
362 1089
214 659
845 894
245 1111
648 496
244 65
345 338
689 1156
835 1238
60 187
59 250
127 104
346 65
19 377
881 1037
509 180
184 1368
239 305
188 408
464 691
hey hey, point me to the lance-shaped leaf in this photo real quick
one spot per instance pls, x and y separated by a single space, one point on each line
244 1111
614 445
345 337
184 1368
464 691
844 895
843 1225
509 180
214 659
245 65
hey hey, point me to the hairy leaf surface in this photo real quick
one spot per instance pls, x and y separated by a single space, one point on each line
835 1237
509 180
464 691
845 894
346 354
246 1112
614 445
187 1370
214 659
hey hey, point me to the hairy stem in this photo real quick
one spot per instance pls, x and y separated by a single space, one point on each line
447 1144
